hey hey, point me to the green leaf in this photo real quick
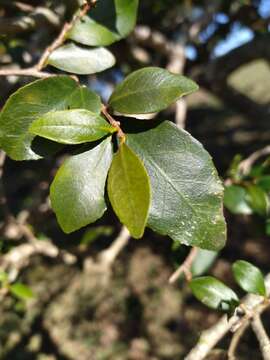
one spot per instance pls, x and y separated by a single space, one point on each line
86 99
21 291
32 102
94 233
264 182
78 60
203 261
129 190
186 191
213 293
108 22
71 126
149 90
3 277
77 192
258 199
235 199
249 277
267 227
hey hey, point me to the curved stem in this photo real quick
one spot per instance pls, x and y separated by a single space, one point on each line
114 123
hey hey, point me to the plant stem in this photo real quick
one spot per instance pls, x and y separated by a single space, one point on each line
114 123
185 267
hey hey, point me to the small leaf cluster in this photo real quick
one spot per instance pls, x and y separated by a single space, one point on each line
161 178
107 22
250 194
216 295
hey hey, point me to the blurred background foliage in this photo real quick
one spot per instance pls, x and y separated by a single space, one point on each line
66 311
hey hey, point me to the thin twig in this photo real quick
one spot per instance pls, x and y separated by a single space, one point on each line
114 123
32 72
246 165
262 336
253 304
35 71
62 36
108 256
185 268
235 341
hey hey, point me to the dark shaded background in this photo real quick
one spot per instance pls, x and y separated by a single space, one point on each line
79 313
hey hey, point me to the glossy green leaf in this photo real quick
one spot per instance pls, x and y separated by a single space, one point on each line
108 22
213 293
129 190
186 191
235 200
203 261
77 192
78 60
258 199
71 126
32 102
149 90
21 291
86 99
249 277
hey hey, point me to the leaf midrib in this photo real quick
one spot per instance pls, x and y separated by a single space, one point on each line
116 98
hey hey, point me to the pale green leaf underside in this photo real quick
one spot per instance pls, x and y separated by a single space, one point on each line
129 190
71 126
149 90
186 191
77 192
34 101
78 60
108 22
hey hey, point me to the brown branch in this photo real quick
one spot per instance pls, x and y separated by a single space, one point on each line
35 71
185 268
31 72
62 36
262 336
253 304
114 123
235 341
246 165
108 256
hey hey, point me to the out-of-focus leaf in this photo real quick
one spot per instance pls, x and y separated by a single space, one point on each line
21 291
249 277
3 277
264 182
258 199
235 200
93 233
203 261
213 293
